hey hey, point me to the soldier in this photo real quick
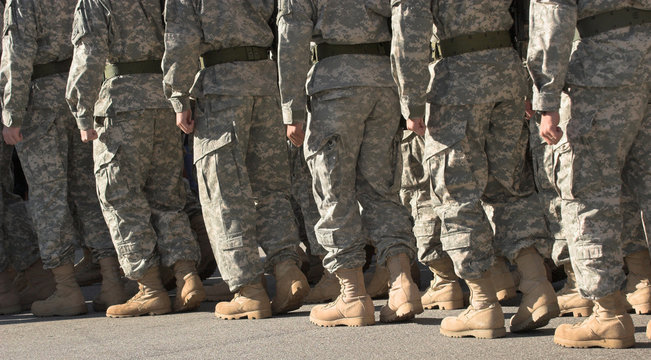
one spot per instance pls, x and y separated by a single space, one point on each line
475 147
57 165
600 83
114 87
351 147
239 150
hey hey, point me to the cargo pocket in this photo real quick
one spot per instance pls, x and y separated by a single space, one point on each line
214 124
444 129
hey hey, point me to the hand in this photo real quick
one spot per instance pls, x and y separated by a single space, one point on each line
12 135
549 129
416 125
528 109
185 121
296 134
88 135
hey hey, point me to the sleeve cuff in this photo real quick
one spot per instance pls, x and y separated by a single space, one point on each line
412 111
545 101
180 104
11 119
291 117
85 122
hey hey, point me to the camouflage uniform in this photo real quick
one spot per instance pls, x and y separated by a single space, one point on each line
608 136
352 135
239 146
302 195
476 139
138 155
415 196
56 163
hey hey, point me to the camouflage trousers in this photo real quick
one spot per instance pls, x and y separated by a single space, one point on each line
415 196
244 185
482 184
138 164
351 147
303 197
63 203
18 243
605 133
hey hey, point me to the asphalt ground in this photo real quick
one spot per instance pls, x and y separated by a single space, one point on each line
199 335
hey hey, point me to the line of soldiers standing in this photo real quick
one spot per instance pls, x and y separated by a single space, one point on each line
480 183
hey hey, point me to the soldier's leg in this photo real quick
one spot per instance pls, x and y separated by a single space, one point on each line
604 123
123 155
44 157
227 203
165 193
333 141
277 234
459 171
9 299
383 217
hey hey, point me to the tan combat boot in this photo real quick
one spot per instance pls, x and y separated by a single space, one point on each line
189 289
38 285
404 297
151 298
112 290
483 319
569 299
9 299
327 289
648 330
291 287
250 301
67 300
538 304
444 290
378 287
608 327
502 279
638 285
353 307
87 272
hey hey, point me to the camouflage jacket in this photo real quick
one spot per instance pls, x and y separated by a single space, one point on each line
197 26
618 57
35 32
114 31
332 22
472 78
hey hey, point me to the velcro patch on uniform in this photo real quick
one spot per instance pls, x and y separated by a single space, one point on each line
232 243
587 252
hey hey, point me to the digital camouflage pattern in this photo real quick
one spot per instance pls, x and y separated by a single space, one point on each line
138 155
476 140
57 165
415 196
352 137
605 129
302 195
239 146
356 22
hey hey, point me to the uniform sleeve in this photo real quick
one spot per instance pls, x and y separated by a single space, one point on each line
19 46
183 38
91 41
411 23
294 36
551 31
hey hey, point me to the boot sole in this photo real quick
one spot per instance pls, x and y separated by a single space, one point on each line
152 313
642 309
477 333
295 301
8 310
251 315
351 322
406 311
78 310
603 343
542 315
445 305
192 301
577 312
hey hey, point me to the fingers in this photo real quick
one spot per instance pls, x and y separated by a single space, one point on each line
552 135
186 126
